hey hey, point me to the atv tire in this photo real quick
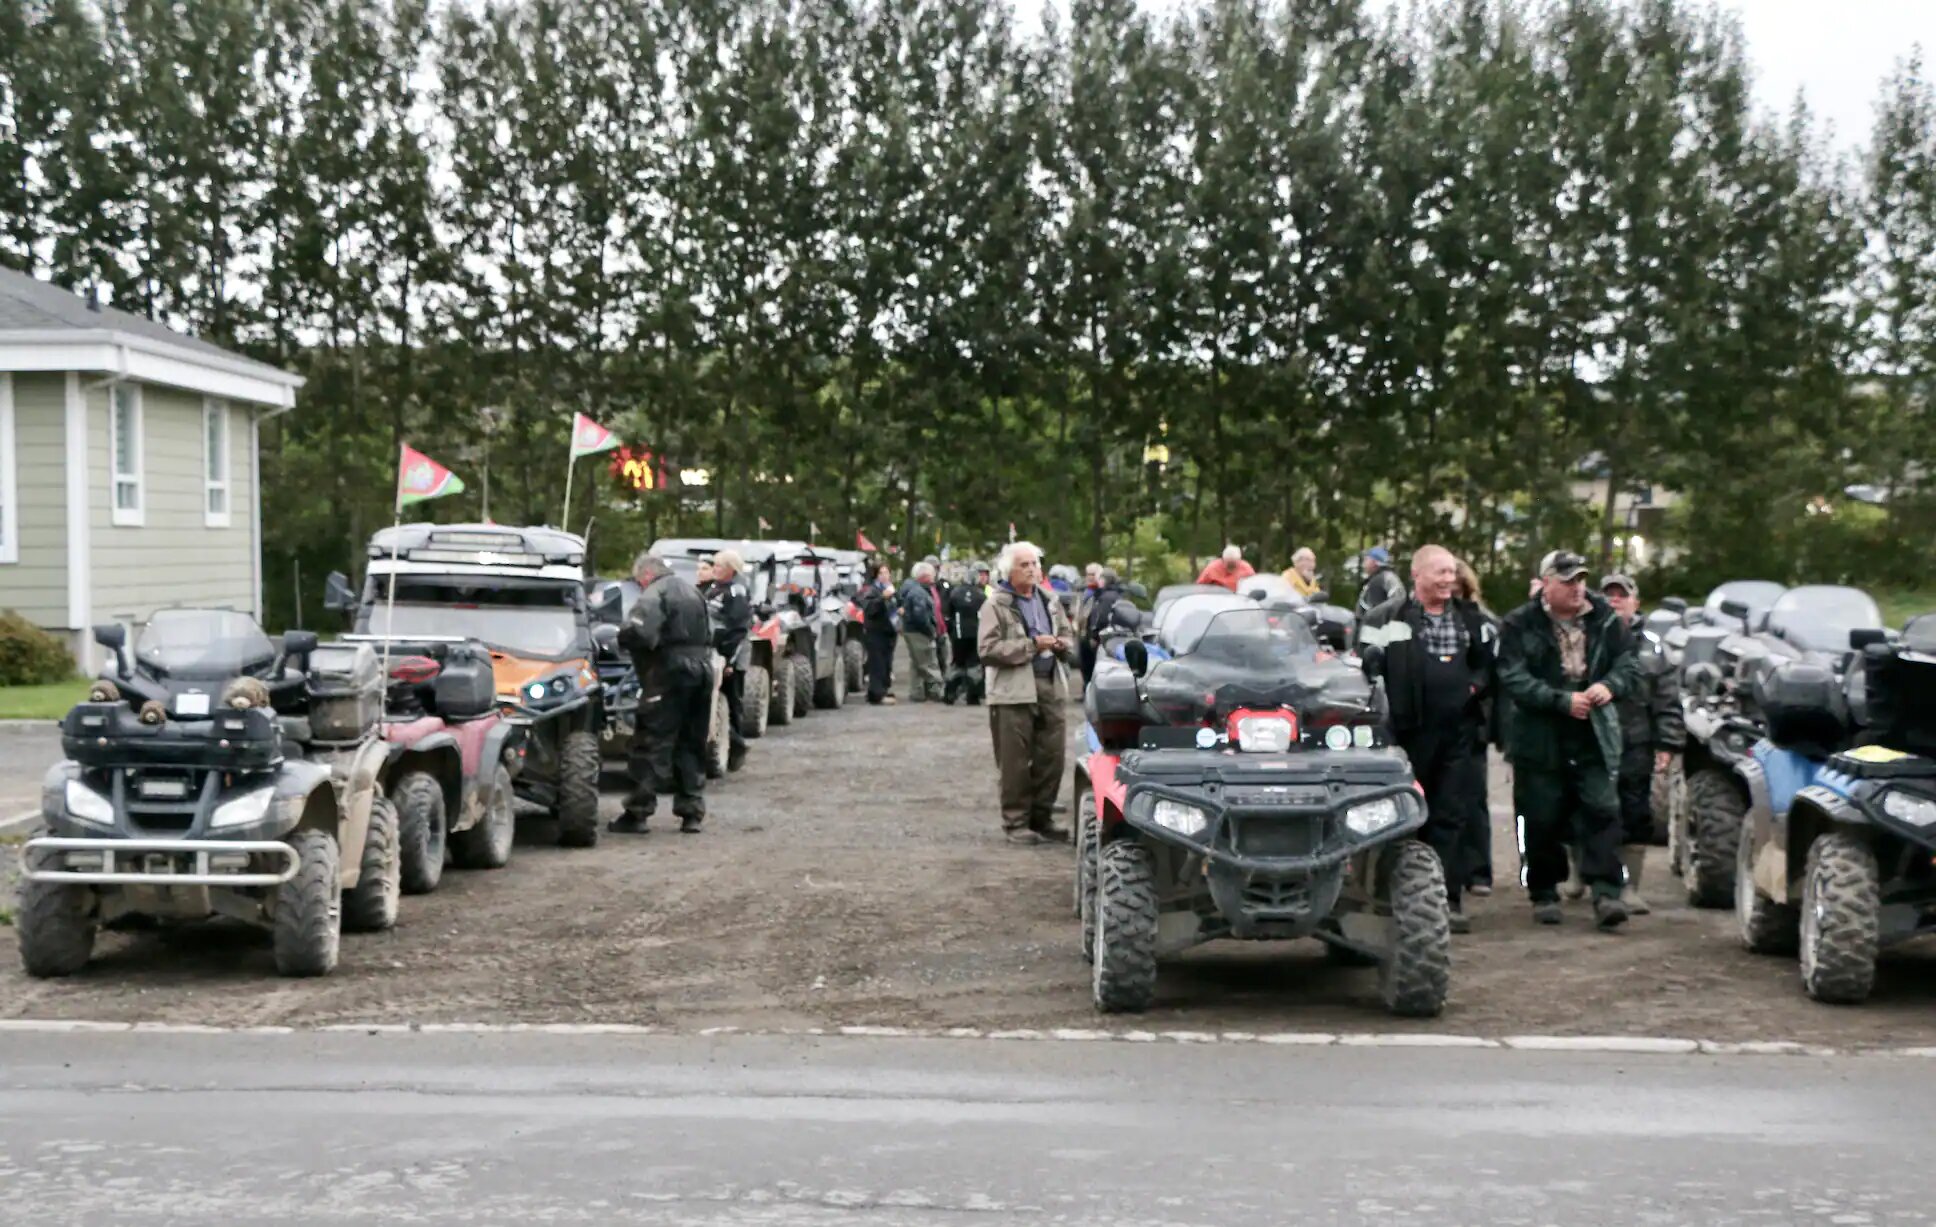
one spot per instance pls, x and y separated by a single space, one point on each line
1841 919
57 928
1124 962
830 692
371 905
1087 846
423 830
779 708
309 908
1766 927
1715 812
854 655
755 703
487 845
1665 785
578 790
802 686
1417 971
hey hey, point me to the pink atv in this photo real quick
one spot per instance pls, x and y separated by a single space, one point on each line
451 758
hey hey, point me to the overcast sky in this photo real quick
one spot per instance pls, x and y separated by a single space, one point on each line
1837 51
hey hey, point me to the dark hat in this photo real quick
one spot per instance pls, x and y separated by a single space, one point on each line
1620 579
1562 565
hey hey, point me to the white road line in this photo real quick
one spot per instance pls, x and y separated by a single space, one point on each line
21 819
1633 1045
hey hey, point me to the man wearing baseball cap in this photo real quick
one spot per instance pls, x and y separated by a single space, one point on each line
1565 658
1651 731
1380 584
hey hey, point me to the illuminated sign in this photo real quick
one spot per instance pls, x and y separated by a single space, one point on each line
639 469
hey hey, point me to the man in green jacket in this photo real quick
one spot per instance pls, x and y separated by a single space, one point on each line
1027 648
1565 658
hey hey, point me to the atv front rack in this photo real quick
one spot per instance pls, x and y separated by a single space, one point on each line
138 850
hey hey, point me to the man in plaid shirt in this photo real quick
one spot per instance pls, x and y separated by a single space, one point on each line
1433 651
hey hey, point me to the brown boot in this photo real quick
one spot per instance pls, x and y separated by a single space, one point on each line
1634 857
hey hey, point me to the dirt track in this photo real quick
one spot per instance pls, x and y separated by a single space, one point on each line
852 874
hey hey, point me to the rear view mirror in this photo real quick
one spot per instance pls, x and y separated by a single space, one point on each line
1136 592
1320 597
295 643
338 597
609 605
114 637
1864 636
1735 609
1674 604
605 637
1136 656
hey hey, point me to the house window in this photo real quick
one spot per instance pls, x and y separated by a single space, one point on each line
124 443
215 463
9 506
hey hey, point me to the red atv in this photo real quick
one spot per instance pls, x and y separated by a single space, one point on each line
451 758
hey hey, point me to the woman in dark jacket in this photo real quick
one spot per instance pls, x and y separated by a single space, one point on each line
880 627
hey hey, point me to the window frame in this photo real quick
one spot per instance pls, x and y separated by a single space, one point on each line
9 475
135 516
218 409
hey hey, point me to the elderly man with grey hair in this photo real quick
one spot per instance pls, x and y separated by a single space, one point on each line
921 622
669 636
1027 648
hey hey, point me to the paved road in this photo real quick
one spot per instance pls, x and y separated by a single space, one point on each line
319 1128
26 751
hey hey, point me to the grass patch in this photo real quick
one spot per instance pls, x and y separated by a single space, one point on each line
1901 604
48 702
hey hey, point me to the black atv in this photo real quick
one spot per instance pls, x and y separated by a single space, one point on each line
207 777
1721 669
1239 784
1838 854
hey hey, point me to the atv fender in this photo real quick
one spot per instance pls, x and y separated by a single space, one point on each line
501 745
1816 811
354 778
1769 873
437 756
1098 772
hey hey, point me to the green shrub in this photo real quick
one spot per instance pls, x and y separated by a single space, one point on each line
30 656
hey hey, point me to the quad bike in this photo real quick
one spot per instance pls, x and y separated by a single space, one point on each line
620 679
452 757
1239 784
206 777
1838 853
840 599
1723 673
520 593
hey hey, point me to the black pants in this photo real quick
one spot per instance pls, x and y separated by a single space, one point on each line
732 688
964 672
669 741
1477 833
1086 655
880 665
1636 787
1572 803
1442 763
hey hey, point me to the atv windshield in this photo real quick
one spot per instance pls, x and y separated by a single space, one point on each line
1248 639
203 643
535 620
1818 618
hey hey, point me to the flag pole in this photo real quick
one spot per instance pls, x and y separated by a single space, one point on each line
390 597
564 520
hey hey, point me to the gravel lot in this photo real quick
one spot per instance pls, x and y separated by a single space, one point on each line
852 873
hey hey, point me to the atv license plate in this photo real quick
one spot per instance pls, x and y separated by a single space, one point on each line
191 705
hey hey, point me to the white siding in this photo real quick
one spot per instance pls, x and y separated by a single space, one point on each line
36 584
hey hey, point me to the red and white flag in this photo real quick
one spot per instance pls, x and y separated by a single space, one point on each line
588 437
419 478
862 543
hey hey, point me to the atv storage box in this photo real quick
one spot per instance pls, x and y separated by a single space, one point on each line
464 686
1901 693
1703 645
1114 708
1803 703
345 691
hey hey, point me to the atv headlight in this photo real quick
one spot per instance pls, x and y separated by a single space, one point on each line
87 805
1176 816
1263 732
1373 816
535 691
1902 806
243 810
1337 737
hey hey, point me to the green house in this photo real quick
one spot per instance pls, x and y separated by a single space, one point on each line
127 465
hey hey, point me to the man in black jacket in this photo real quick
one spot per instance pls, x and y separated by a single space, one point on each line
1381 582
1434 652
1651 733
670 639
880 623
731 605
963 604
1095 609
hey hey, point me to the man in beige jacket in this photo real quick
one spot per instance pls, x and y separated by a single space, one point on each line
1027 649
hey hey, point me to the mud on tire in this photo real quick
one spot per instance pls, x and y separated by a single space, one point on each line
578 790
853 655
309 908
1417 972
802 686
488 844
830 692
423 830
1766 927
1841 919
57 928
1715 811
371 905
756 697
779 707
1085 874
719 739
1124 963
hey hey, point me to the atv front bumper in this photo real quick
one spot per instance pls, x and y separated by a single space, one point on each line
158 862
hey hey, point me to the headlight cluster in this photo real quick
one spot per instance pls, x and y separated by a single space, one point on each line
247 808
87 805
1348 736
1176 816
1902 806
1374 816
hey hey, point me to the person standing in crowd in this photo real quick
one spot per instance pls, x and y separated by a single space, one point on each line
942 651
731 606
1095 617
1565 659
670 638
1478 826
881 630
705 574
1434 652
1303 575
1651 731
1380 584
1027 646
921 619
1227 571
963 607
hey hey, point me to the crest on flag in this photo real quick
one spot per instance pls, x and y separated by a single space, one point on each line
862 543
588 437
420 478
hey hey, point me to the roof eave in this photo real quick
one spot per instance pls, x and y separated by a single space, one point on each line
128 355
